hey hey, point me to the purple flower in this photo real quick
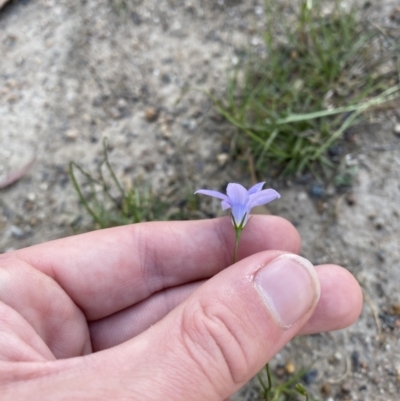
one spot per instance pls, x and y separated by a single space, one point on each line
241 201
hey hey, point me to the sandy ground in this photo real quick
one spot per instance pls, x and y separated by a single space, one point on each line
72 73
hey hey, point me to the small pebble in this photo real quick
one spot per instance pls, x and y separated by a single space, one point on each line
345 388
337 356
317 191
189 124
71 134
31 196
396 309
395 14
310 376
258 10
325 389
290 368
389 321
17 232
302 196
396 129
165 131
151 114
222 159
351 199
122 103
379 224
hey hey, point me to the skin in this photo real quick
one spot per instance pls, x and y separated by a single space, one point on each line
151 311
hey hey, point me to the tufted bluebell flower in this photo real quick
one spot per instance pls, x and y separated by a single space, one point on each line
241 201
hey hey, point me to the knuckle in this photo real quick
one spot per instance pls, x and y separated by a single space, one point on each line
215 338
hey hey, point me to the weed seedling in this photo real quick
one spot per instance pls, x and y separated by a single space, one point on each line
110 204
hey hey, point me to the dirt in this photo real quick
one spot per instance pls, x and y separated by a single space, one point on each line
72 73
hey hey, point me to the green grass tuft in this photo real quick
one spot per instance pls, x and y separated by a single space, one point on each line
284 389
110 204
319 75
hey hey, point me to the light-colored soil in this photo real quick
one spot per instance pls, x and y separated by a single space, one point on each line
72 73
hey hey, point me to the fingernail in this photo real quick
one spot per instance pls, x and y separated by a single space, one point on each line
289 287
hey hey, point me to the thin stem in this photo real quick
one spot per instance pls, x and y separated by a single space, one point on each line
80 194
265 387
269 388
238 233
261 381
113 176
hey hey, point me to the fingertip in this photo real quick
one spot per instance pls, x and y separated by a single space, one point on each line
340 303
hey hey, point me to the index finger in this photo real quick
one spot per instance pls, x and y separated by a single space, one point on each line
109 270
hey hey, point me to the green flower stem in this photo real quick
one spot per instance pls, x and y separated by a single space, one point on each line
269 381
238 231
266 387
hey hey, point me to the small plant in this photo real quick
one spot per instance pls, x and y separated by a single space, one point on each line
287 389
319 76
240 202
110 204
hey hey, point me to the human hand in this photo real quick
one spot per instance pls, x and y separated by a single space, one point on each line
153 312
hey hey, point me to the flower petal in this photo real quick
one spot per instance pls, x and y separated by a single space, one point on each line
225 205
237 194
210 192
263 197
241 201
256 188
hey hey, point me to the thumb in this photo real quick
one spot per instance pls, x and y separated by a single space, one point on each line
225 332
